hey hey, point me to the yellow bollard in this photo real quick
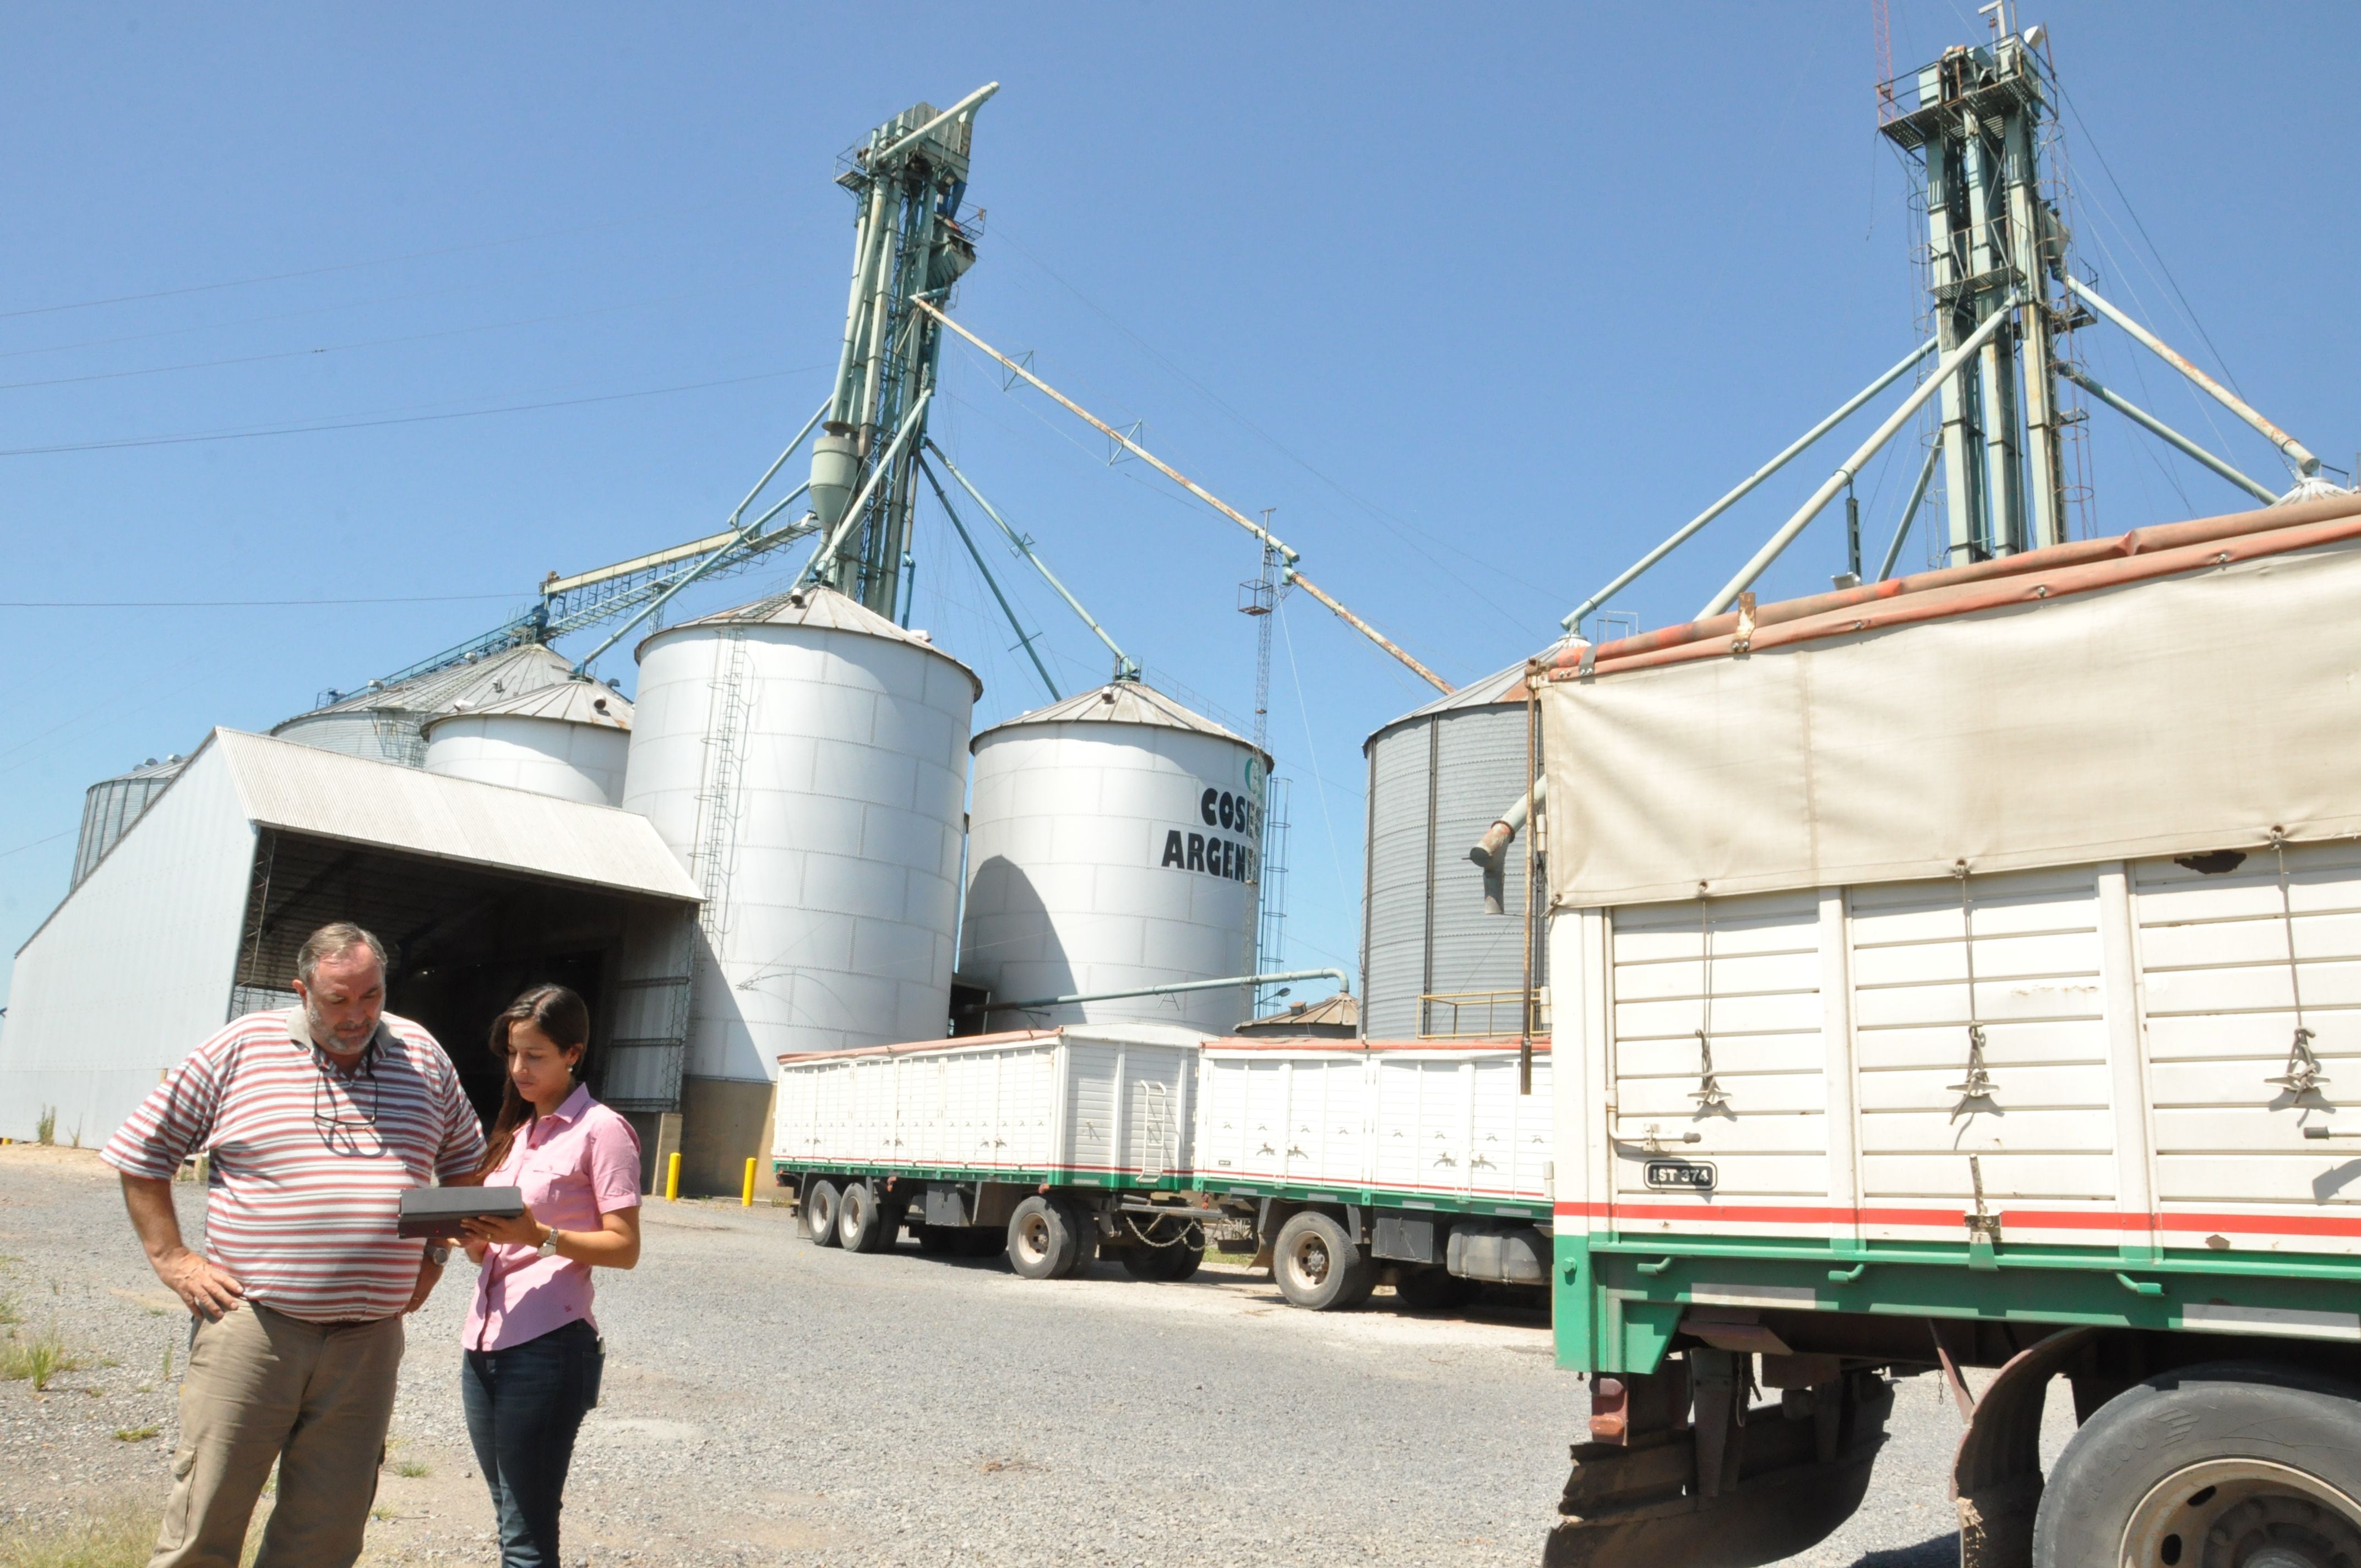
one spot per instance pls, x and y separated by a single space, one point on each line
746 1194
672 1177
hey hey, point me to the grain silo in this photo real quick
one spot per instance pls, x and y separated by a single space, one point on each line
1437 959
1115 843
569 740
110 806
384 721
807 759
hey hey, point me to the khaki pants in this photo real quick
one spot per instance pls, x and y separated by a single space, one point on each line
263 1387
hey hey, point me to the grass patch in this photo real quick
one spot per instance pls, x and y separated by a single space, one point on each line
37 1359
45 1130
412 1469
135 1434
10 1314
121 1537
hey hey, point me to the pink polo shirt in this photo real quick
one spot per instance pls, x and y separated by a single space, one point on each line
575 1163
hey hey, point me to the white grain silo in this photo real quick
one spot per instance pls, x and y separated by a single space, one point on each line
110 806
807 759
386 723
1115 843
570 741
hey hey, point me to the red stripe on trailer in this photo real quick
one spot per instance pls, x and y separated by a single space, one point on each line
1948 1219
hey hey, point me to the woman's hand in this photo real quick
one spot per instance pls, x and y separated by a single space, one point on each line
522 1231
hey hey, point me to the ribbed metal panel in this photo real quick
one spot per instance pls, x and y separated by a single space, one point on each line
1480 756
1438 778
112 805
1394 968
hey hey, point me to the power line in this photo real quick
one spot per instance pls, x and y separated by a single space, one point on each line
251 434
382 342
235 604
355 265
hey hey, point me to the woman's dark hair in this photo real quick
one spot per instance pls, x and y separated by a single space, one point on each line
564 1017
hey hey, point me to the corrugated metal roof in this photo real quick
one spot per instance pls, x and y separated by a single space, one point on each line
818 607
1122 702
569 701
283 784
511 673
1342 1010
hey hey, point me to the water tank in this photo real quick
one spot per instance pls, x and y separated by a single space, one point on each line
386 723
1435 961
110 806
569 740
807 759
1114 842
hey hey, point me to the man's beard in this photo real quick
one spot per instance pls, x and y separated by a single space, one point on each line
323 1033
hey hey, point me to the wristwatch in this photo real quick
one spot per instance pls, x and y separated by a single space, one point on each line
549 1247
438 1253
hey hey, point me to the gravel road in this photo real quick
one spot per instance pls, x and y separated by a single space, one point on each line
767 1401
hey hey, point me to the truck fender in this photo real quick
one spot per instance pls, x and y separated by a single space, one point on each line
1996 1474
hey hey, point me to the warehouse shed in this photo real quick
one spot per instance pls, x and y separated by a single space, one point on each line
194 915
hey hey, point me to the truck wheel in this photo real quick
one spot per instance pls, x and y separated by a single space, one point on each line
2233 1463
819 1202
1318 1266
937 1240
865 1221
1041 1244
1083 1226
1430 1288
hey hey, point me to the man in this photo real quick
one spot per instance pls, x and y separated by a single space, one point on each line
314 1120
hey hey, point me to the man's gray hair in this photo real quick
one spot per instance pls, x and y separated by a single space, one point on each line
334 941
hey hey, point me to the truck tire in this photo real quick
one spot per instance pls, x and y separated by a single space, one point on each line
819 1206
1042 1240
866 1221
2207 1464
1318 1266
1084 1226
1430 1288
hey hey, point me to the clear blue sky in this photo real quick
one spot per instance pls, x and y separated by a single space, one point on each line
1482 300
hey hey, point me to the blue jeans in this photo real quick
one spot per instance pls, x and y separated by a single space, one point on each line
525 1404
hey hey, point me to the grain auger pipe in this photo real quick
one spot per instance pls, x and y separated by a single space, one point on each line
1288 554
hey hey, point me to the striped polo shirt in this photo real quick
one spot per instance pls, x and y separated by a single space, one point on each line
308 1163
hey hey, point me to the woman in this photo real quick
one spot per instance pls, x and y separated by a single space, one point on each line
534 1354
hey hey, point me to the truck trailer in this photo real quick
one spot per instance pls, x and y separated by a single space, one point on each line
1336 1163
1964 971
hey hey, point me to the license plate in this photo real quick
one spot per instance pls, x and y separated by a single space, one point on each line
1681 1175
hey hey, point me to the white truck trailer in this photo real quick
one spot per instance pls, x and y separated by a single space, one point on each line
1965 972
1056 1144
1335 1161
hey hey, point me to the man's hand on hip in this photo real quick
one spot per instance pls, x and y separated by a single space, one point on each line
211 1292
429 1271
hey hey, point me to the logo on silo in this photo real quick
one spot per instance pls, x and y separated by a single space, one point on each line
1229 853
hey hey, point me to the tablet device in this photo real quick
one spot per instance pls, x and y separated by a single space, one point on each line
437 1211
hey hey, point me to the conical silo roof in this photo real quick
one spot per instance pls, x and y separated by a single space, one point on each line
823 608
568 702
513 672
1500 686
1123 702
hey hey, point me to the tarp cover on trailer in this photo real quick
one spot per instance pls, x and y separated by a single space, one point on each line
2183 712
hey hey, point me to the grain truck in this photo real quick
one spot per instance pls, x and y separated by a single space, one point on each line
1334 1162
1964 971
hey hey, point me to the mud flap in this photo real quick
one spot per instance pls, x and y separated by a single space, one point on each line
1996 1476
1782 1483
